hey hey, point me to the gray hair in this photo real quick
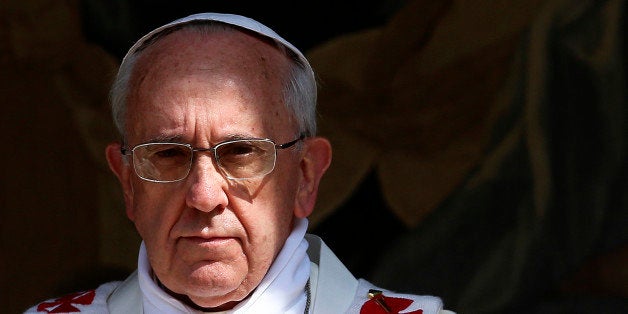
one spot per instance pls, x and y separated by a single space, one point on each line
299 91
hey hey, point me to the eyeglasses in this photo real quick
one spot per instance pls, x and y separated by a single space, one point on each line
237 159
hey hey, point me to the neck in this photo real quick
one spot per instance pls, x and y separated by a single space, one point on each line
187 301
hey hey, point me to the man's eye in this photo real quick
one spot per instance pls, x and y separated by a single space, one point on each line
170 152
237 149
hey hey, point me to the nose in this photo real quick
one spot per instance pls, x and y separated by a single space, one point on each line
207 187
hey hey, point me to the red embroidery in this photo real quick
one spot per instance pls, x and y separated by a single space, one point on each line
394 305
64 304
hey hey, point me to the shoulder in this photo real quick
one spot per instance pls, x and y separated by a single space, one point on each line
372 299
92 301
334 286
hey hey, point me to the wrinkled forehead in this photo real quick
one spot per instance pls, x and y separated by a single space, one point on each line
219 81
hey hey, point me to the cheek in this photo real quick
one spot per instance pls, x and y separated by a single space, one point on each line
154 210
272 214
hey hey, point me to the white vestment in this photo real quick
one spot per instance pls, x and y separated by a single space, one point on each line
332 288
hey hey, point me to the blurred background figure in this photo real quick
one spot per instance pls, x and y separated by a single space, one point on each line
482 146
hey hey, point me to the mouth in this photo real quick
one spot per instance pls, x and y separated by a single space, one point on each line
205 249
208 242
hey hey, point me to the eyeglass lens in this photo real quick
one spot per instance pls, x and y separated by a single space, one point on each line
168 162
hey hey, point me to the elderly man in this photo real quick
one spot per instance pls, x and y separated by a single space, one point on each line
219 166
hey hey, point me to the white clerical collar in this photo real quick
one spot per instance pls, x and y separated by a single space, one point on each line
280 291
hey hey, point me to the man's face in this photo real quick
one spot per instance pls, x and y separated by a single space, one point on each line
208 237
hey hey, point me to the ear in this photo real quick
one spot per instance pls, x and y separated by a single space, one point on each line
122 169
314 163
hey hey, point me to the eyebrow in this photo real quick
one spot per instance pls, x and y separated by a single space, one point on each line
164 139
179 139
234 136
